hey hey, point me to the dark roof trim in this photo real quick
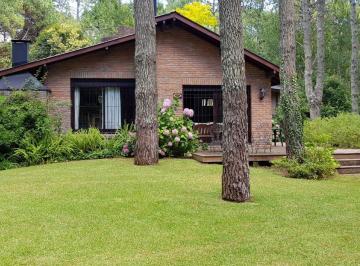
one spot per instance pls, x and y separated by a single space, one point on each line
174 16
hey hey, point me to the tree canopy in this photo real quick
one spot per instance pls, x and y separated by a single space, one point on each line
200 13
59 38
32 19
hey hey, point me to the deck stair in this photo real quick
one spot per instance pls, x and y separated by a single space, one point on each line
349 161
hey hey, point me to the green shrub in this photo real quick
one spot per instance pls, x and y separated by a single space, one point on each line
336 97
318 163
123 143
341 131
176 135
22 116
86 140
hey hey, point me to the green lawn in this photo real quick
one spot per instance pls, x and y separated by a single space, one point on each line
108 212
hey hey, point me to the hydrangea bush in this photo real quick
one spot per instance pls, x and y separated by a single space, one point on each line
176 135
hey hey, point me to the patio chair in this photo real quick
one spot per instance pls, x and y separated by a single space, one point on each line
204 131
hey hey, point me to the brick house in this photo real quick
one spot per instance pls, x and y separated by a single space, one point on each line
96 83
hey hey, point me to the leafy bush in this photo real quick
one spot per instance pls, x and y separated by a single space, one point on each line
176 135
338 132
86 140
318 163
28 136
22 117
124 141
336 98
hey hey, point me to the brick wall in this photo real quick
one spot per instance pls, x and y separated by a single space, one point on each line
183 59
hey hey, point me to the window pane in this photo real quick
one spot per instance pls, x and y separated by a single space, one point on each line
112 108
206 103
90 111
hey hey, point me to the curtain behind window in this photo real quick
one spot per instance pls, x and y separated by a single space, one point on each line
76 107
112 108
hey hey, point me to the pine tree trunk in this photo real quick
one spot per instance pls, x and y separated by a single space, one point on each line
146 150
308 73
314 95
78 2
235 177
354 59
290 104
320 57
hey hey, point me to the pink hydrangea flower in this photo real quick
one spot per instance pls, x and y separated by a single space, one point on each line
191 112
175 132
188 112
126 146
166 132
183 129
177 139
163 110
162 153
170 144
167 103
125 150
190 135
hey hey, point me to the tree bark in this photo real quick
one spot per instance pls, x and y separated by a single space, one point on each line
235 176
78 2
320 57
290 104
314 95
354 59
146 150
308 73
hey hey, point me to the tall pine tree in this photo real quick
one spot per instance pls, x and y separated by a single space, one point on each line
289 99
235 177
146 150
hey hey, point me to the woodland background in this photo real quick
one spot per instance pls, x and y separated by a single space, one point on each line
56 26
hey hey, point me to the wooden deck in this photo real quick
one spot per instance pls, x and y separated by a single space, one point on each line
214 155
349 159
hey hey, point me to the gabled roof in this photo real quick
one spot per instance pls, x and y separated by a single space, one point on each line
172 17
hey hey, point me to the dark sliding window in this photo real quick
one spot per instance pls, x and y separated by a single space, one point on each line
100 105
90 108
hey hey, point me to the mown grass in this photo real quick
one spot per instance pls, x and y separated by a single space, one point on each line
110 212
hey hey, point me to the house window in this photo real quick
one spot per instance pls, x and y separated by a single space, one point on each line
206 101
97 107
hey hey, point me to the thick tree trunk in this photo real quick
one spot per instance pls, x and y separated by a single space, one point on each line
146 151
235 177
354 59
290 104
314 95
320 57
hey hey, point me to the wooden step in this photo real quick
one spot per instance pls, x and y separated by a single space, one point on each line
349 170
216 157
208 157
349 162
347 154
